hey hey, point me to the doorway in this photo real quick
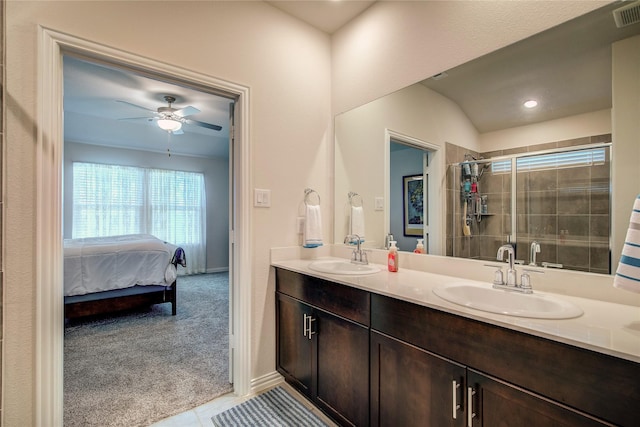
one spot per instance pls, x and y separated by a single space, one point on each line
125 175
49 381
412 189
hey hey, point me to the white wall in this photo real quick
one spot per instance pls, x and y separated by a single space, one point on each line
285 63
588 124
415 111
216 177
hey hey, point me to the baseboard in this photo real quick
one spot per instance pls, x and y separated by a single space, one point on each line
217 269
266 381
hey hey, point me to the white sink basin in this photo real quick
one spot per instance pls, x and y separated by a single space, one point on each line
343 267
485 298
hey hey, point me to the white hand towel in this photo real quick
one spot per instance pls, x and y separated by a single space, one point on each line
357 222
628 273
312 237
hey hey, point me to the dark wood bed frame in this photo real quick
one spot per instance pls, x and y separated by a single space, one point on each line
119 299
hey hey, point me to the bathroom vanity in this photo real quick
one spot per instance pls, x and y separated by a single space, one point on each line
382 350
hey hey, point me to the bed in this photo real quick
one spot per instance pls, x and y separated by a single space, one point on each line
108 274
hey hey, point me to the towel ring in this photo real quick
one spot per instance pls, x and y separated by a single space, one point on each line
354 198
308 192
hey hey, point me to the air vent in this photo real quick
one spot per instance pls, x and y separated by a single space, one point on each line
440 76
627 15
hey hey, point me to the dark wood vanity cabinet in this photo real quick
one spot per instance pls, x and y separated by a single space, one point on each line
367 359
323 344
412 387
492 402
294 347
511 378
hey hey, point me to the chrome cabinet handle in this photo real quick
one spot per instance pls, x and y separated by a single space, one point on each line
456 405
305 328
470 414
311 332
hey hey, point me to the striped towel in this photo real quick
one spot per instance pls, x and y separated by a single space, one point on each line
628 273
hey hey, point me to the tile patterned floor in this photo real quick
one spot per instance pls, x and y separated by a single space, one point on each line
201 416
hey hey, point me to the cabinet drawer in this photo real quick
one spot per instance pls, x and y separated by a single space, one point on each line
604 386
345 301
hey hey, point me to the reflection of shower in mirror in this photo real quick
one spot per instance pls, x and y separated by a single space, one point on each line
557 197
476 204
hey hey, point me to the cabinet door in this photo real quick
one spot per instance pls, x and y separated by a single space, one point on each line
411 387
498 404
342 368
294 346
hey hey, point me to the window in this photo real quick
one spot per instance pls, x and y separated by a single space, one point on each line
110 200
567 159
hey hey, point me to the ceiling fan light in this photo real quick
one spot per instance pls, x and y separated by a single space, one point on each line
169 125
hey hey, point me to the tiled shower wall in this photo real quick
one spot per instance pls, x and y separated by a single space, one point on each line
491 231
2 143
567 210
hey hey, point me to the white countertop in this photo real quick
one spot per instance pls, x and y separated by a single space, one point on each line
605 327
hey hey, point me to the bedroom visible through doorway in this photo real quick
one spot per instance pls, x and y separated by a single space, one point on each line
141 179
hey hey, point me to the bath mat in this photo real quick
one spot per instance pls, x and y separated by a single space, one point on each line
274 408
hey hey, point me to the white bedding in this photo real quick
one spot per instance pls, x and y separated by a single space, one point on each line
98 264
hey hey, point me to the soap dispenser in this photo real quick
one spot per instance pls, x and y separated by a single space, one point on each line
419 247
392 257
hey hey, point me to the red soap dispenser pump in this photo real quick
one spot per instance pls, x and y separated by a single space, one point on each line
392 257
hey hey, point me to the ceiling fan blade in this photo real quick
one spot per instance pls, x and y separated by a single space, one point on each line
178 132
139 118
186 111
203 124
137 106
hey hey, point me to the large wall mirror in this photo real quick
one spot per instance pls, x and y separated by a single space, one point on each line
475 168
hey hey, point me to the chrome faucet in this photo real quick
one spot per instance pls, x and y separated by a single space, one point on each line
387 240
535 249
511 272
512 283
358 256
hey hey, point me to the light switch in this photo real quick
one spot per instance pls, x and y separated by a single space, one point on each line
262 198
379 203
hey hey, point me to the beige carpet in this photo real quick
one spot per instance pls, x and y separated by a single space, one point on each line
137 368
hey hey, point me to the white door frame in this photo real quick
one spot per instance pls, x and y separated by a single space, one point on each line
49 253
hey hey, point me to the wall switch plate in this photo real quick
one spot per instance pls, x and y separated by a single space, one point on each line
261 198
379 203
300 224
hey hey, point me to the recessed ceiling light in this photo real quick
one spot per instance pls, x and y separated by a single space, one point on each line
530 103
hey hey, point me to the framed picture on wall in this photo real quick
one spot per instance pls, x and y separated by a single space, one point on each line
413 205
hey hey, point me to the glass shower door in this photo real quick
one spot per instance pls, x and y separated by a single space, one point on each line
562 208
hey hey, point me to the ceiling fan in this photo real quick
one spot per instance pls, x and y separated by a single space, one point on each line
171 119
